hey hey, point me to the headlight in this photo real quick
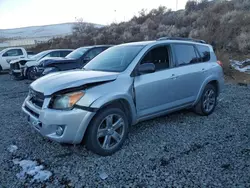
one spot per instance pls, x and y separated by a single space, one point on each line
66 101
22 62
48 70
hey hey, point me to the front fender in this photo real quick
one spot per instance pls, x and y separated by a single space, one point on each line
108 99
31 63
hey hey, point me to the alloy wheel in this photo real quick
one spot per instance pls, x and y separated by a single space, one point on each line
209 100
111 131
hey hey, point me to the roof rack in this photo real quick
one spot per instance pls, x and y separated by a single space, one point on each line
183 39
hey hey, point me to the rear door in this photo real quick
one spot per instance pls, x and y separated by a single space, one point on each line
189 72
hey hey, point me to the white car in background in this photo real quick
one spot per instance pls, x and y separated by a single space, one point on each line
9 54
25 67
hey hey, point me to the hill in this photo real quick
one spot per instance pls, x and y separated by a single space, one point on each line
226 24
39 31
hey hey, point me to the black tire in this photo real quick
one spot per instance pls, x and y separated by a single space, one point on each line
31 73
17 78
93 143
200 107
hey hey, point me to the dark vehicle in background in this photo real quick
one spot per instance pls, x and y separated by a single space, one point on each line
75 60
30 53
24 67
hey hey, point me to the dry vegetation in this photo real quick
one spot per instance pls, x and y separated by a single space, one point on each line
225 24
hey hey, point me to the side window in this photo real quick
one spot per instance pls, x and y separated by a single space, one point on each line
204 53
159 56
185 54
64 53
13 52
92 53
53 54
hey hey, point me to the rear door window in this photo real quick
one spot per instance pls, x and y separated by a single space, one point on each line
185 54
204 52
64 53
94 52
54 54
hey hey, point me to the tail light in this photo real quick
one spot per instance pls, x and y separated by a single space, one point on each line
220 63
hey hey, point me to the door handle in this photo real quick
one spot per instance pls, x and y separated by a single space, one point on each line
203 70
174 77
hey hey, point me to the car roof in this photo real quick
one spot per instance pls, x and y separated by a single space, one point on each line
145 43
51 50
89 47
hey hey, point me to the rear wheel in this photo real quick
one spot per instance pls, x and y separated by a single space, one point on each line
107 131
31 73
207 102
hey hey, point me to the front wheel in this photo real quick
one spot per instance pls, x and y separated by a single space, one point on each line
107 131
31 73
207 102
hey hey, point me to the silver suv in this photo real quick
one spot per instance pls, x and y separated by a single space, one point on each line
122 86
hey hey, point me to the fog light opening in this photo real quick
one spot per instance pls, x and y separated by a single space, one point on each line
59 130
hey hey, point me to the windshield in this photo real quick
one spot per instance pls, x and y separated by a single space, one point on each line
115 59
39 55
78 53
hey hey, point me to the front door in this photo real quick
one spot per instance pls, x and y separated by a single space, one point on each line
155 92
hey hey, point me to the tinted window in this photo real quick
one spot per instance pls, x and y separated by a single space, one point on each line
39 55
53 54
64 53
185 54
78 53
13 52
159 56
94 52
204 53
114 59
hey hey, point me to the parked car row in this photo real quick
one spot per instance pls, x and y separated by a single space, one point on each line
123 85
25 67
43 63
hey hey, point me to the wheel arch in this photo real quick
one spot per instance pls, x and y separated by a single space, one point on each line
212 81
124 102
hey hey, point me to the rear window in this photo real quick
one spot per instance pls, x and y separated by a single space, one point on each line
185 54
204 53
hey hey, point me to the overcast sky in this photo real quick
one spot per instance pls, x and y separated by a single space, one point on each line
22 13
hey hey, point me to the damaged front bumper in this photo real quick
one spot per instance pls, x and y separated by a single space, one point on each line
57 125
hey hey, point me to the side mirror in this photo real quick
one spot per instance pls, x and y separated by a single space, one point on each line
146 68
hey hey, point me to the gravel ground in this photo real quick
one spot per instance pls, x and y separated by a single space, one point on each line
179 150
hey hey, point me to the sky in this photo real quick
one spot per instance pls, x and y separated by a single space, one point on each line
23 13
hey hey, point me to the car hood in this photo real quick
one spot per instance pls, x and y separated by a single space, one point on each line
19 59
49 61
55 82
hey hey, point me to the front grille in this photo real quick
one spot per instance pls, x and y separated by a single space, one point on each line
15 66
32 112
36 98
